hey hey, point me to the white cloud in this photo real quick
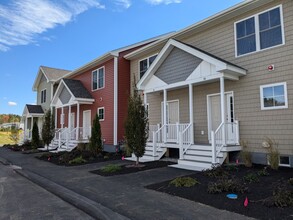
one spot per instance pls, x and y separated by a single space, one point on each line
166 2
123 3
12 103
22 21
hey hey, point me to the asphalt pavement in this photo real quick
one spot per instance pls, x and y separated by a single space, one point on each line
115 197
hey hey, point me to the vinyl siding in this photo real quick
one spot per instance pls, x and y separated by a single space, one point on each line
44 85
255 124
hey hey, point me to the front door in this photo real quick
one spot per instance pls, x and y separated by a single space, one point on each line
86 124
172 114
214 115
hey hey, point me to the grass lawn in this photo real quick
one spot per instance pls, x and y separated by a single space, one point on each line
4 138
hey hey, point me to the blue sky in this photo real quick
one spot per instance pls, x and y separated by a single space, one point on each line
67 34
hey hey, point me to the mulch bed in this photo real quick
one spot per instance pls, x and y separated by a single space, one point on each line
64 158
16 147
259 194
126 169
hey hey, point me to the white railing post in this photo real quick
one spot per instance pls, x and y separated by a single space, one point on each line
213 147
177 132
154 143
180 145
59 139
237 132
67 137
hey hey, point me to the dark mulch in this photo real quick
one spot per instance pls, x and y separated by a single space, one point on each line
64 158
259 194
16 147
126 169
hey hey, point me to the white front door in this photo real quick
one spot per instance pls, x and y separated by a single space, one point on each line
86 124
172 115
214 115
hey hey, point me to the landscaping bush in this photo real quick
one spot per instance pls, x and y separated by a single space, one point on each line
263 172
215 172
111 168
77 160
35 136
226 185
245 154
251 178
184 182
273 154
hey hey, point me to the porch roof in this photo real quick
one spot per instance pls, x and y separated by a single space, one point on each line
179 64
33 110
70 92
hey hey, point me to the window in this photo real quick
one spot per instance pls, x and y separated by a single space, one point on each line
274 96
43 96
259 32
101 113
98 79
284 161
145 64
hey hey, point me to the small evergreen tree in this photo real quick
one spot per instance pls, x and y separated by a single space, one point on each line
48 129
14 134
95 144
136 129
35 136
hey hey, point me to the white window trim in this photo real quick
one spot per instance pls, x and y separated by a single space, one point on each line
257 33
273 85
284 165
103 115
97 70
148 63
43 97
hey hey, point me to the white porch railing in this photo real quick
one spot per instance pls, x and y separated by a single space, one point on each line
152 128
158 139
172 131
220 139
185 140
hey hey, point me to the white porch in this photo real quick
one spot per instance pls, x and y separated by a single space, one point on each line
195 68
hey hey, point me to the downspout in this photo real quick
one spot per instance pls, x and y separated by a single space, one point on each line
115 127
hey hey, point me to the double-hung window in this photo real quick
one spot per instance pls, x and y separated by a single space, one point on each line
145 64
98 78
274 96
259 32
101 113
43 96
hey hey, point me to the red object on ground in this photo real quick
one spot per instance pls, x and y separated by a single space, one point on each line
246 202
123 158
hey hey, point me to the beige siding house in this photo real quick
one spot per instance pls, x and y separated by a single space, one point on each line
222 80
45 85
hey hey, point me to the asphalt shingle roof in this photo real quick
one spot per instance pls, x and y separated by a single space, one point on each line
54 73
77 89
35 109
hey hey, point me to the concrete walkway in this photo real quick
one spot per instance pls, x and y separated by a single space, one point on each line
116 197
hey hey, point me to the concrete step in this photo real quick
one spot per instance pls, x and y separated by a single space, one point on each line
187 167
204 165
201 153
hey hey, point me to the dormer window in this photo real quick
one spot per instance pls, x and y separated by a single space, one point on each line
259 32
43 96
145 64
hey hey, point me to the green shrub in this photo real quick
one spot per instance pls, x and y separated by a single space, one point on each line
290 181
245 154
231 168
251 178
77 160
111 168
215 172
226 185
184 182
263 172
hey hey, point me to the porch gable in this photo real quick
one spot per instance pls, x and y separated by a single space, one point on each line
180 64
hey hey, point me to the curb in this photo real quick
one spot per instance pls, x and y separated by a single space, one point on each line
92 208
4 161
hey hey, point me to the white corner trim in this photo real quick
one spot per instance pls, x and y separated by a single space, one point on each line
115 127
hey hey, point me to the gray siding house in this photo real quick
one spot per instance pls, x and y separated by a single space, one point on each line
221 81
45 85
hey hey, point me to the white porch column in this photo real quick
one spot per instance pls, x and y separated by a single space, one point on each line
69 118
25 128
222 92
77 122
191 112
145 99
56 117
165 115
115 120
62 117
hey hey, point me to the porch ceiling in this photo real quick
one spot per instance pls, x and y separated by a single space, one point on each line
179 64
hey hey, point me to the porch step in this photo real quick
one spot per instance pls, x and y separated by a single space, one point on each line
200 165
187 167
205 153
148 155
